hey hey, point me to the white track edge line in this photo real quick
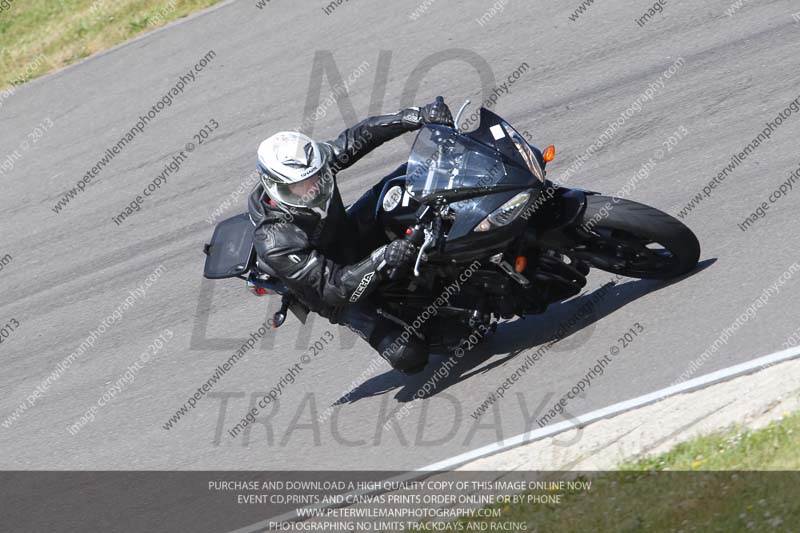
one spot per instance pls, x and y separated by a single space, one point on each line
617 408
549 431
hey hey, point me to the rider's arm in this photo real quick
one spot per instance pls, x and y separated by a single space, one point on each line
285 249
356 142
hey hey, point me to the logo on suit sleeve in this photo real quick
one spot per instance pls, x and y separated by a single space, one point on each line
362 286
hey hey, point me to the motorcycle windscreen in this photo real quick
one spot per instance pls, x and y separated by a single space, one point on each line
231 251
495 132
443 160
487 160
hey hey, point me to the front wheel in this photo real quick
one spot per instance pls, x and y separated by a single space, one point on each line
635 240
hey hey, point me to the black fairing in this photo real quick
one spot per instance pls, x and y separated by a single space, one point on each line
462 242
484 136
401 217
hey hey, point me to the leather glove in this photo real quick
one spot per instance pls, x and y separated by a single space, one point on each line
395 259
400 254
436 113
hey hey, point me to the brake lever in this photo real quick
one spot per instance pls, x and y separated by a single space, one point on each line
430 239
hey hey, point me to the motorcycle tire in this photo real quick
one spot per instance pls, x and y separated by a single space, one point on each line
636 240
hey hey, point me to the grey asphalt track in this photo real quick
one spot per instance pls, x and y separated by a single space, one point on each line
72 269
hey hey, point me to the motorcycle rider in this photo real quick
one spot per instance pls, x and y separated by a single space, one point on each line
330 258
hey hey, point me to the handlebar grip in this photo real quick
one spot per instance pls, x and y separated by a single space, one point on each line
416 235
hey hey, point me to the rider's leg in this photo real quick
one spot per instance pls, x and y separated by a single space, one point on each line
399 346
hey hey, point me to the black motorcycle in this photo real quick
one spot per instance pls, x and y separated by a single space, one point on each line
480 203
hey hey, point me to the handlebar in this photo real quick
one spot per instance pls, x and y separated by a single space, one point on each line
416 235
422 237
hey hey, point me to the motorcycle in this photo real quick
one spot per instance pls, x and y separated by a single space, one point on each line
481 201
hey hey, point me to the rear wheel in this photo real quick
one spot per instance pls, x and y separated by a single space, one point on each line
635 240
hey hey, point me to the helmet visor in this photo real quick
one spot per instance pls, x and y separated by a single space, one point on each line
314 191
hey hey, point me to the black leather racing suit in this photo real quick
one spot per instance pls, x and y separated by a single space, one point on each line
328 262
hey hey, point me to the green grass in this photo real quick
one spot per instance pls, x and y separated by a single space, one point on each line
776 447
712 483
38 36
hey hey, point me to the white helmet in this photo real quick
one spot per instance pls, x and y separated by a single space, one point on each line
295 172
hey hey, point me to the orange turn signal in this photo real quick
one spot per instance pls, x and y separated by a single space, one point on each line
549 153
521 264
